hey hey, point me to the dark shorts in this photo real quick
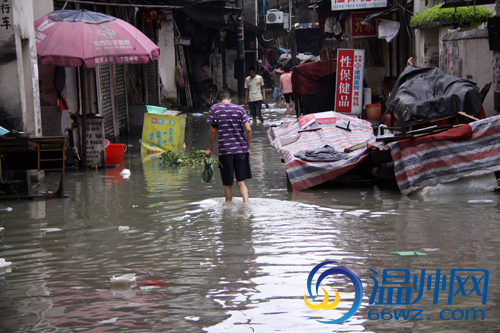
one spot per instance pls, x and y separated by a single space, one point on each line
234 165
255 108
288 97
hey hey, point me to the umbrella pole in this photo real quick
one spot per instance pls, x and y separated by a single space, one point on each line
85 104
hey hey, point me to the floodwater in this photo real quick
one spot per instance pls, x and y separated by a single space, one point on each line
203 265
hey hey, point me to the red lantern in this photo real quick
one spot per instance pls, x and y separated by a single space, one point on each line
141 15
162 17
147 15
151 14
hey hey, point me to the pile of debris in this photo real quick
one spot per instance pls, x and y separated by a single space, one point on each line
427 101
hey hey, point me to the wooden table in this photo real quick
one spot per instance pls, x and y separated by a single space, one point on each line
41 153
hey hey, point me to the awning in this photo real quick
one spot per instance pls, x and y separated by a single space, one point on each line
214 13
387 11
253 28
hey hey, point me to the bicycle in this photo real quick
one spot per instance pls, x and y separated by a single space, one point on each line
207 98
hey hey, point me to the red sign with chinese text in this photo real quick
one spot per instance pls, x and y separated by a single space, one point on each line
362 30
350 71
345 60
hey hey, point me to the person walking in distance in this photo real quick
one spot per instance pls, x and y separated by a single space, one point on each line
235 135
255 94
286 84
278 92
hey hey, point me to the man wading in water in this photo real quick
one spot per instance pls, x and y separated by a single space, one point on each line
235 135
255 94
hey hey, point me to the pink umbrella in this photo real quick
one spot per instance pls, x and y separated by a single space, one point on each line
72 38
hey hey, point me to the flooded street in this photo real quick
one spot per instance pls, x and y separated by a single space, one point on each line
203 265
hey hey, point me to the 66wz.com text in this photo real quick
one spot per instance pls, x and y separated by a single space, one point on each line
418 314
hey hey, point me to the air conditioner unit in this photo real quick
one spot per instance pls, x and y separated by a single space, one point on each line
274 16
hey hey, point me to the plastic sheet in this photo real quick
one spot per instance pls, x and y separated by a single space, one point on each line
426 93
469 185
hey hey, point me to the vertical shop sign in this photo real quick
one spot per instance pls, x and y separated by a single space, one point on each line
95 140
8 49
350 70
6 15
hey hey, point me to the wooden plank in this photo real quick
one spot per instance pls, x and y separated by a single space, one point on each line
423 121
467 116
355 147
186 77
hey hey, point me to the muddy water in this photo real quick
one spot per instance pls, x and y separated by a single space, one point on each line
206 265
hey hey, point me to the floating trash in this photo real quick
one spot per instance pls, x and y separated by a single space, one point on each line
480 201
431 250
355 213
109 321
150 287
155 283
50 229
125 173
123 228
409 253
6 269
6 209
4 263
192 318
127 278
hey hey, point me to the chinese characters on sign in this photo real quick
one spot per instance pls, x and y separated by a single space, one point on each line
111 60
461 282
350 70
156 136
6 18
51 121
161 133
357 4
183 41
113 44
362 30
95 141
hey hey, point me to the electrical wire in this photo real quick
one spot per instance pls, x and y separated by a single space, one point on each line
267 40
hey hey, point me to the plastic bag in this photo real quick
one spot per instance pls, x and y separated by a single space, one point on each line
207 175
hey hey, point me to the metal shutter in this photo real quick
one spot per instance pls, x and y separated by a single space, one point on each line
121 96
107 104
152 77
